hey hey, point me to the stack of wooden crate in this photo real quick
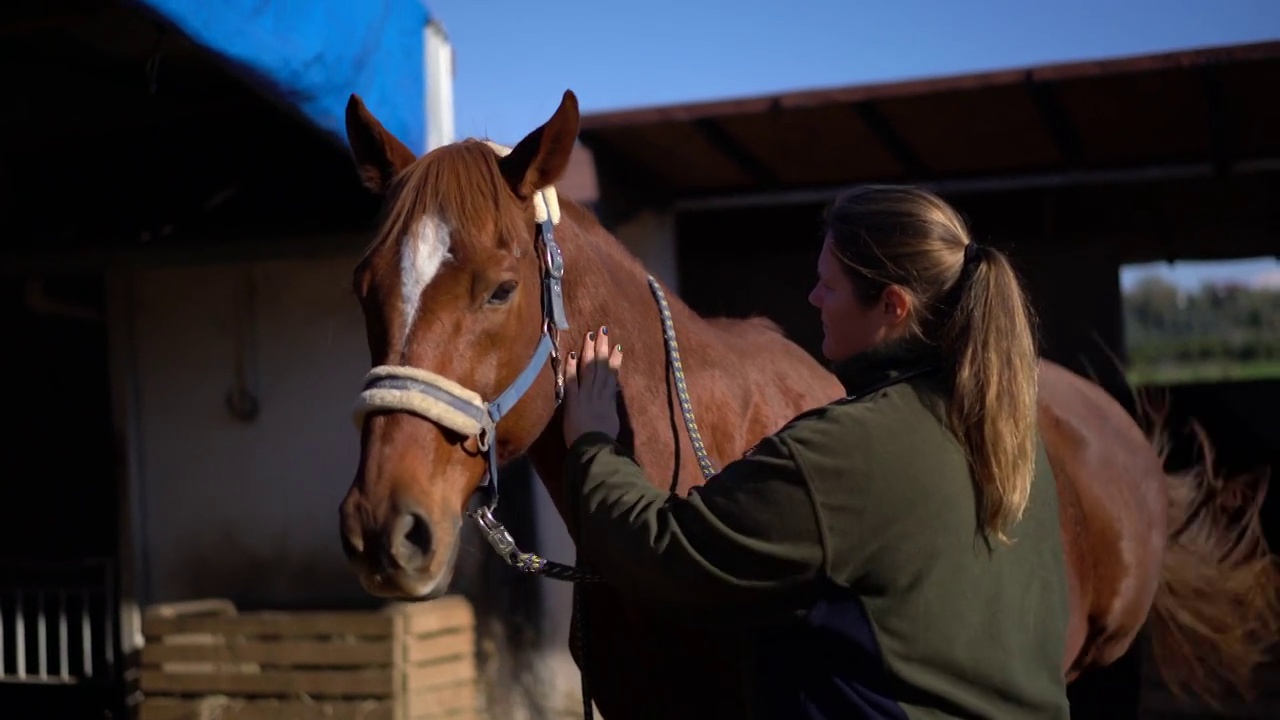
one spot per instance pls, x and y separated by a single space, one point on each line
407 662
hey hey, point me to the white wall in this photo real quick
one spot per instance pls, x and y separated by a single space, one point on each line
438 76
233 509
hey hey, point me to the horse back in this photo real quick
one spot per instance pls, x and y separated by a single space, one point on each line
749 380
1112 497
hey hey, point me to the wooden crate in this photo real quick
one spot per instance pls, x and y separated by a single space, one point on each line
407 662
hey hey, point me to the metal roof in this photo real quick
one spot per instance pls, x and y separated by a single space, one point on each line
1214 108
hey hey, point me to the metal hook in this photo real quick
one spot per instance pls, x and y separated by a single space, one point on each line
497 534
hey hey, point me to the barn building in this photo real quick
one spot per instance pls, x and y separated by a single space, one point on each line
180 217
1074 169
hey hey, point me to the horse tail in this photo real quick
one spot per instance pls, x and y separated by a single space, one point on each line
1217 606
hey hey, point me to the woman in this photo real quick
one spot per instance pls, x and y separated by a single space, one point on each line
896 553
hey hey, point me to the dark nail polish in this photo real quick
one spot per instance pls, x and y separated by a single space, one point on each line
591 335
604 330
573 355
619 347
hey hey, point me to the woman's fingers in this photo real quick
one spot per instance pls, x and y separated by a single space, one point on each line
615 358
571 375
602 378
602 343
586 358
597 364
591 377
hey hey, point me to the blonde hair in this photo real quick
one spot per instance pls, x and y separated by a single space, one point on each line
965 300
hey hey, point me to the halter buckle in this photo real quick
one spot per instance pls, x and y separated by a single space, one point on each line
497 534
552 255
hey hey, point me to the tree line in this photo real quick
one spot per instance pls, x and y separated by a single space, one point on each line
1219 324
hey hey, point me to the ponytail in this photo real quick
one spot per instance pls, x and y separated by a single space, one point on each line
966 299
990 339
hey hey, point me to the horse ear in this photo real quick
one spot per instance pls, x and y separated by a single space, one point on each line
542 156
378 154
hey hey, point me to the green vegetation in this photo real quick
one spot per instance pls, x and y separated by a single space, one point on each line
1219 332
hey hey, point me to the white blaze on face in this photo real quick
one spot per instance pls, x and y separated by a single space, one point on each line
424 249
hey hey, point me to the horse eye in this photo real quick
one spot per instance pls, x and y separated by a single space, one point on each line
502 293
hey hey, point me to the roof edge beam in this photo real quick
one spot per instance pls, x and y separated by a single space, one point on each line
1000 183
889 138
625 185
616 164
1216 123
1065 138
746 161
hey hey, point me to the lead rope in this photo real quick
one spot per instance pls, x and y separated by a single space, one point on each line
580 628
699 449
682 392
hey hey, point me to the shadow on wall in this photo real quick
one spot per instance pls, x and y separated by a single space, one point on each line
269 576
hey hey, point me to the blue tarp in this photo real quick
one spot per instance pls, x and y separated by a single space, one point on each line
313 54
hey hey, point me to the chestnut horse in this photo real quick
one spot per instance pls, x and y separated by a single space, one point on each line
474 275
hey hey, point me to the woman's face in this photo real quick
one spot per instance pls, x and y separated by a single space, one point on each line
848 326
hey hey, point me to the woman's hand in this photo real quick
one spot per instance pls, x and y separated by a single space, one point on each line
591 387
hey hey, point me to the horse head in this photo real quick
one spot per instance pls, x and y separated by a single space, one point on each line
462 305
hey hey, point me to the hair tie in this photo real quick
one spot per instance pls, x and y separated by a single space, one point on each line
971 252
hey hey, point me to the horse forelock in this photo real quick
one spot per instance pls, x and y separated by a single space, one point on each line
446 207
458 183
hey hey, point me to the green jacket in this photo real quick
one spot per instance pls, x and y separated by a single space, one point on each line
853 530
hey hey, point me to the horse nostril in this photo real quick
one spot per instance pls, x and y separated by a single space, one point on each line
411 541
352 544
350 527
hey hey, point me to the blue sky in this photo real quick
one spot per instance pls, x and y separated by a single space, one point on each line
515 58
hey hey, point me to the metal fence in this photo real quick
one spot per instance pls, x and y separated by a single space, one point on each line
58 622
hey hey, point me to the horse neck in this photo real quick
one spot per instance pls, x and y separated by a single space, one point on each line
605 285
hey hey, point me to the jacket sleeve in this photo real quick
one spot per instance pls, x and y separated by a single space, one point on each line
750 534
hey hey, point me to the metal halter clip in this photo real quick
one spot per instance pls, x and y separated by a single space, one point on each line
497 534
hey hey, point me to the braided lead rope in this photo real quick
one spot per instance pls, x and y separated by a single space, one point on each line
502 540
704 462
504 543
578 619
682 392
537 565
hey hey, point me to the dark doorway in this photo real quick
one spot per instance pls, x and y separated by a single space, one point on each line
59 506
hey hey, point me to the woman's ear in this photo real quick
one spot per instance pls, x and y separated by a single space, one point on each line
895 304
